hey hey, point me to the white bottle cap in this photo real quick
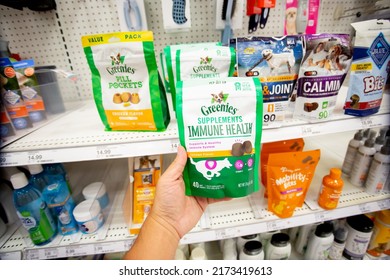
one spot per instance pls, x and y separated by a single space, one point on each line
198 254
86 210
35 169
19 180
94 190
179 255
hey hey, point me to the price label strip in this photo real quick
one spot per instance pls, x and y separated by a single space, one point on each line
73 251
226 233
365 208
174 145
323 216
370 122
311 130
384 204
277 225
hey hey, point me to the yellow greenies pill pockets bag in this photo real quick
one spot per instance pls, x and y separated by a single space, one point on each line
127 88
220 126
370 67
288 179
212 62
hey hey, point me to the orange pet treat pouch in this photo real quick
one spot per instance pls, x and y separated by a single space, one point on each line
291 145
289 178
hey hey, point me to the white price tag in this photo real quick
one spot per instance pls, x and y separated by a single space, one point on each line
276 225
370 122
11 256
101 248
104 152
174 145
34 157
51 253
365 208
384 204
310 130
32 254
226 233
128 244
323 216
72 251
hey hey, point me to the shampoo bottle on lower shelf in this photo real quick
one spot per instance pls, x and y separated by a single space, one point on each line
379 170
279 247
363 161
32 210
340 236
353 147
320 242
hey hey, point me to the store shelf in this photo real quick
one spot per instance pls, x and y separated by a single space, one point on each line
113 236
80 136
241 216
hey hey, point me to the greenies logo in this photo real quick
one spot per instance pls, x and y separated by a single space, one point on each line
118 65
205 60
118 59
218 104
219 98
205 65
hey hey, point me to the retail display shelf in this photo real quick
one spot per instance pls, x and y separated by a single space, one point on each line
69 108
229 219
80 136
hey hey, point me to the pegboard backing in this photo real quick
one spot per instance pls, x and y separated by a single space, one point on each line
54 37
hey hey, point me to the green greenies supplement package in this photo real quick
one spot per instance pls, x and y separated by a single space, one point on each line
220 126
127 87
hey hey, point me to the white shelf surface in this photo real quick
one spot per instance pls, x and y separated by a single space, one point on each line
80 136
241 216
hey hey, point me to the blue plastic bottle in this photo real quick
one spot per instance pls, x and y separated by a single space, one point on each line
32 210
57 169
61 204
37 177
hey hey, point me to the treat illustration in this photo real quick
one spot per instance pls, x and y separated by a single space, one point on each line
117 98
211 168
308 107
239 149
125 96
355 101
135 98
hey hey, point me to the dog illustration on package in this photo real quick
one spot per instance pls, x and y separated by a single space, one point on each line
211 168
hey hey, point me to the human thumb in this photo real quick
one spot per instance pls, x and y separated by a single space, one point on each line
176 168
